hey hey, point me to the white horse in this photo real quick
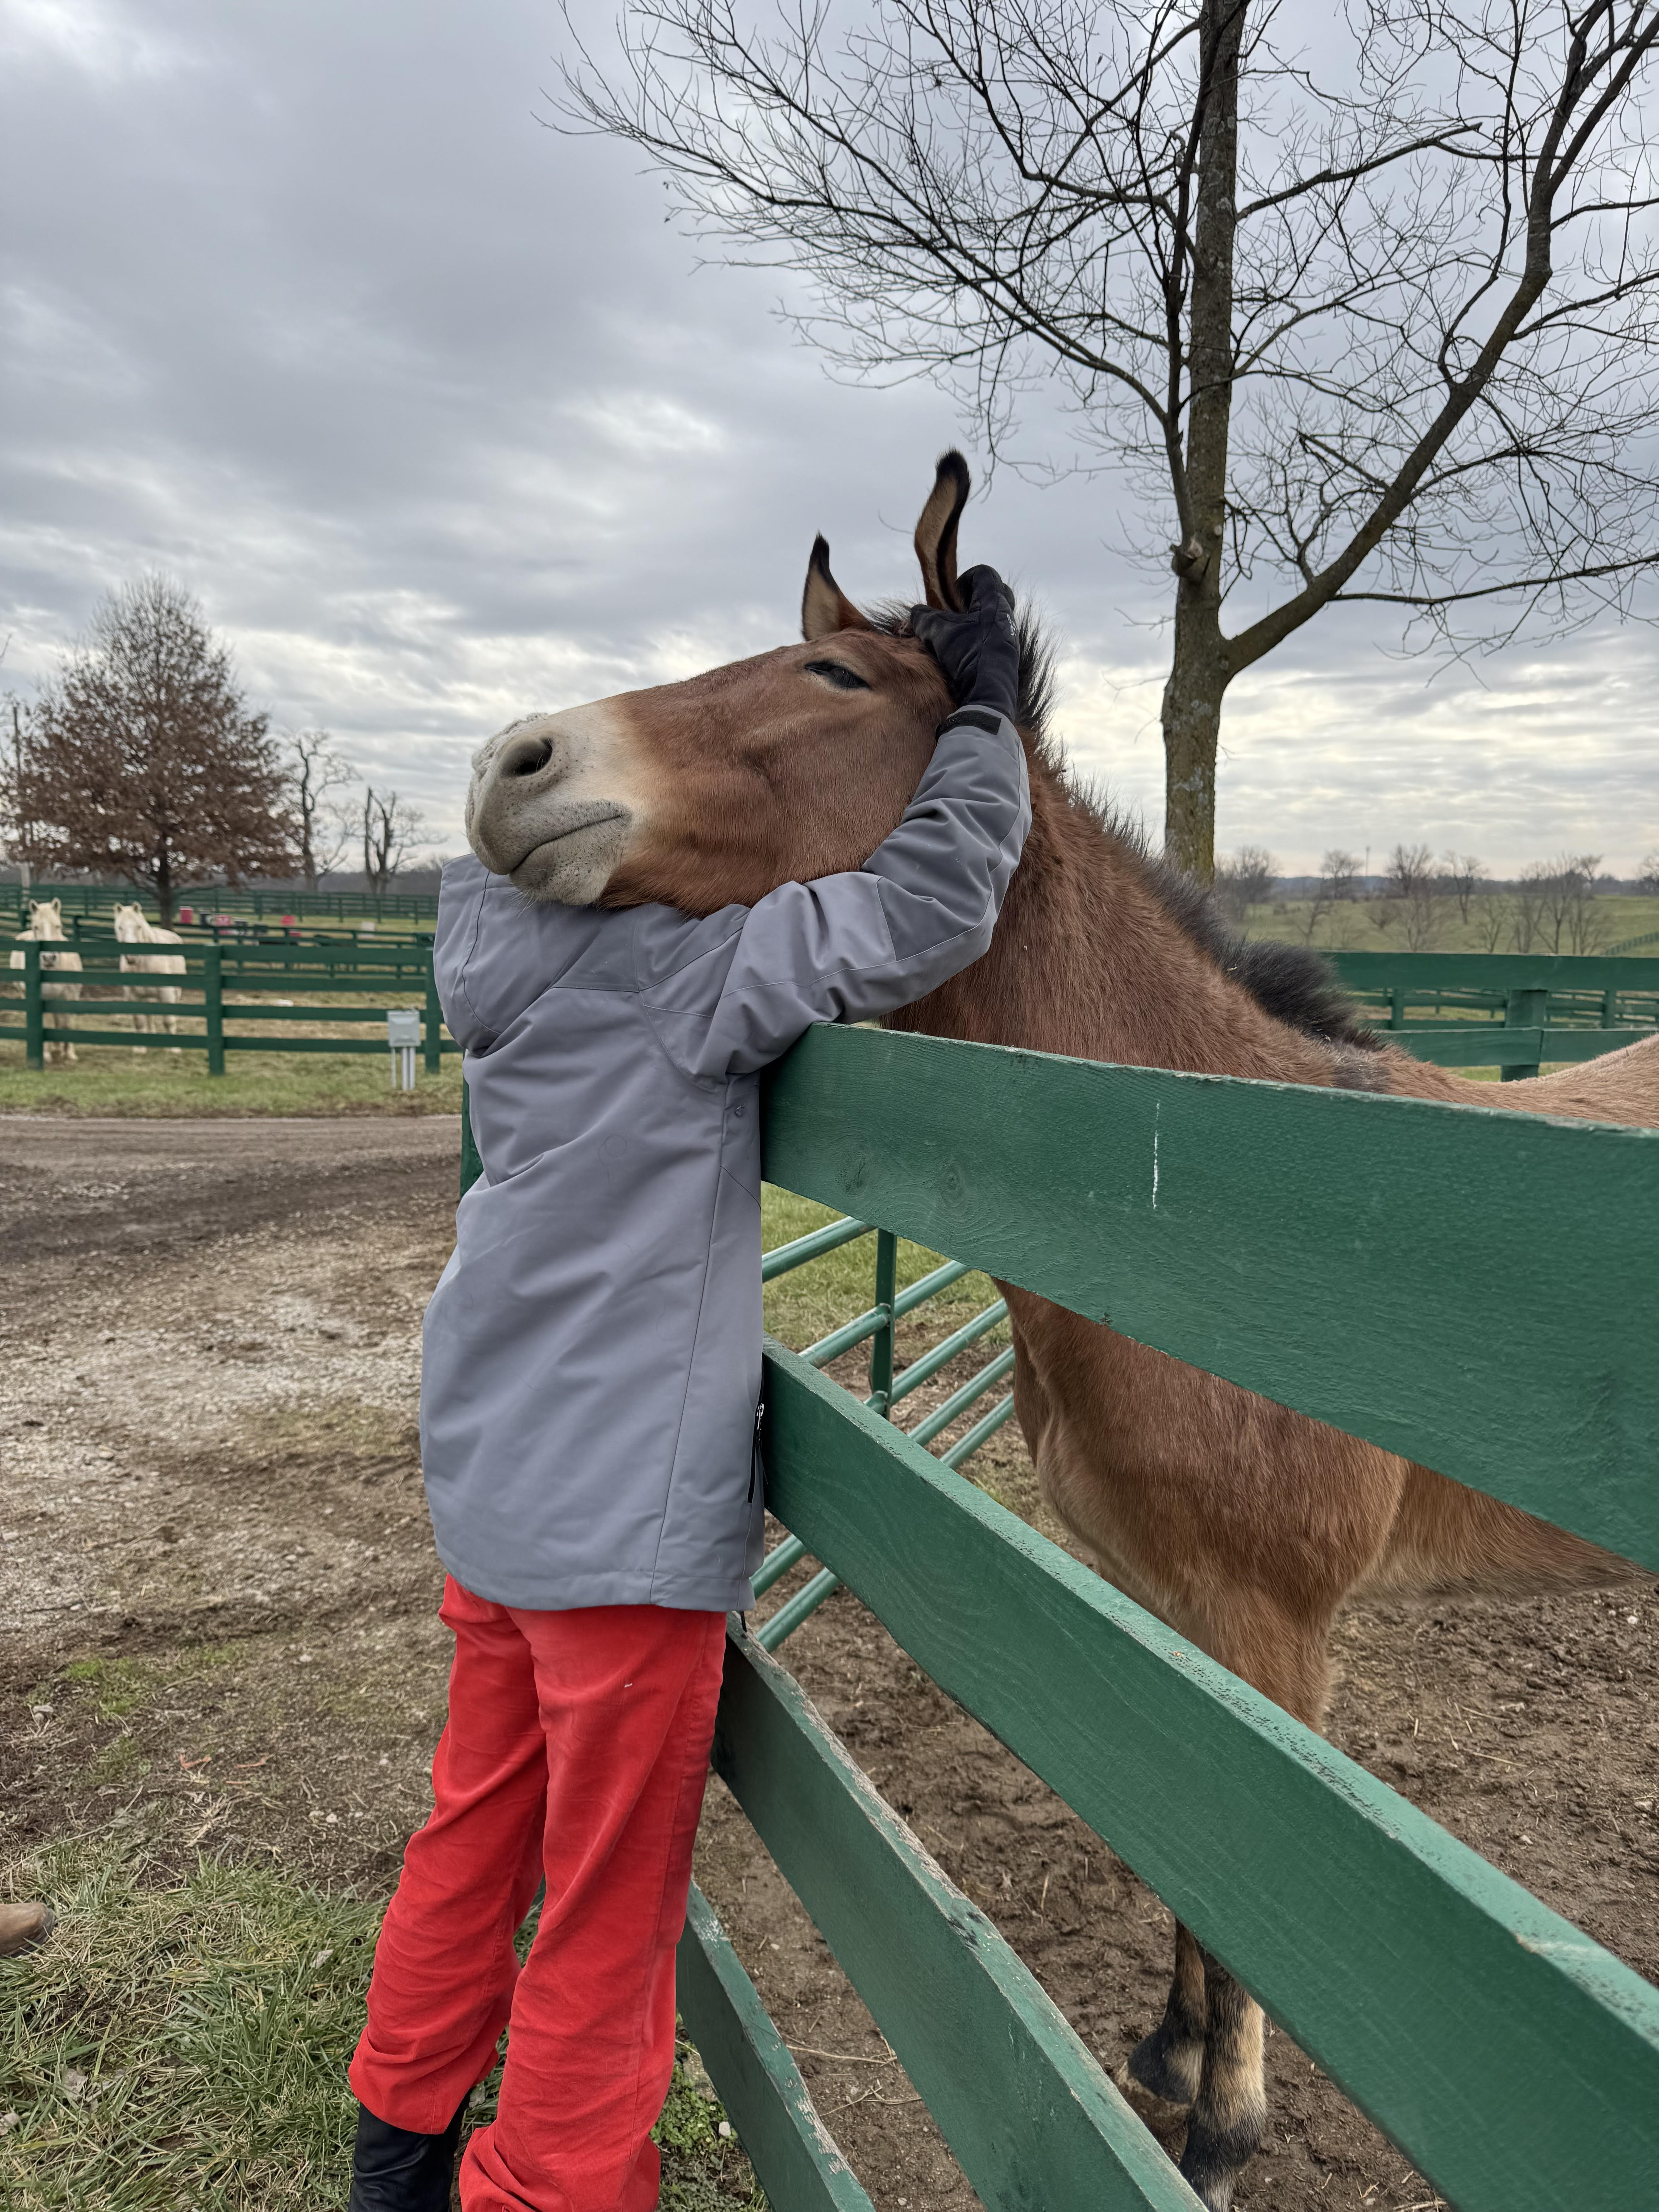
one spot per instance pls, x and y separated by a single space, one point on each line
133 927
46 927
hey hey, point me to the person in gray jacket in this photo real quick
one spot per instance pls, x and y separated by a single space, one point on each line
589 1414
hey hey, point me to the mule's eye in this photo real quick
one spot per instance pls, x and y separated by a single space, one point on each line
837 673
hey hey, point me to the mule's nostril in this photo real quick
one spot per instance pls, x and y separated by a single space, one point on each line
528 757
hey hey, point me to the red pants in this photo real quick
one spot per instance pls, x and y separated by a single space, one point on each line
577 1750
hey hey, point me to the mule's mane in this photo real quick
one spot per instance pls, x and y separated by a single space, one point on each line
1291 982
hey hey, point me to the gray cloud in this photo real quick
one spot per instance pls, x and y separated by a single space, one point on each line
443 423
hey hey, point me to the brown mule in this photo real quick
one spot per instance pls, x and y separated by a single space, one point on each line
1244 1526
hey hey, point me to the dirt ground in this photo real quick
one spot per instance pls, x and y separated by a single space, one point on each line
218 1627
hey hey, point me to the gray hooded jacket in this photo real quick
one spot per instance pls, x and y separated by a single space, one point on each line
592 1350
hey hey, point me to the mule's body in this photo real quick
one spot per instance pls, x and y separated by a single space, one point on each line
46 927
1245 1526
134 926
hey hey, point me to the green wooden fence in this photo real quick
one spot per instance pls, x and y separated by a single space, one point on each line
1515 1012
1365 1259
391 973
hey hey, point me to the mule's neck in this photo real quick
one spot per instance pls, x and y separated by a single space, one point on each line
1088 961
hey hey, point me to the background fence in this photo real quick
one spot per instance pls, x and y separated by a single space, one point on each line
215 977
1547 1009
252 901
1394 1289
1511 1011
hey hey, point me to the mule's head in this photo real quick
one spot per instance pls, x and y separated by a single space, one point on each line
46 919
794 764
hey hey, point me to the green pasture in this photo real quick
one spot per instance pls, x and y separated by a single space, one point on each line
1379 926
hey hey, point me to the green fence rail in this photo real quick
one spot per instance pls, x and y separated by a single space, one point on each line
62 1006
1364 1259
1515 1012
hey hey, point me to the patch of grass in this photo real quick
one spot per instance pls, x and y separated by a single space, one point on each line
120 1761
110 1080
702 2171
182 2041
810 1301
117 1686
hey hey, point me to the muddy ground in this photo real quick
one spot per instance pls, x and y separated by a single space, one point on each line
218 1626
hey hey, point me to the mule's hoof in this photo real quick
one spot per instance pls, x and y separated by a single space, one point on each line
1215 2157
1165 2068
23 1927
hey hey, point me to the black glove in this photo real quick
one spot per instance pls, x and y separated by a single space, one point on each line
979 652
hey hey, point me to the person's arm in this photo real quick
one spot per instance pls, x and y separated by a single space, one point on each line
846 948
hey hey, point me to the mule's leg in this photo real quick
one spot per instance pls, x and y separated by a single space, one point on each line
1289 1661
1230 2112
1170 2062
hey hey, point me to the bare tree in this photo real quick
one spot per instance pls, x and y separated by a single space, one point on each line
1333 888
1338 872
142 759
1380 329
1410 866
1413 895
1245 881
11 784
317 775
1529 902
391 827
1647 878
1492 912
1568 907
1463 876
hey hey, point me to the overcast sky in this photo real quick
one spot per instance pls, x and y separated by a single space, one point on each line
443 423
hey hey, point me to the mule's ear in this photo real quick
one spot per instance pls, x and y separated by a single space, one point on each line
824 607
936 532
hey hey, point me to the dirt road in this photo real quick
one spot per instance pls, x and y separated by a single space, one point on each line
217 1628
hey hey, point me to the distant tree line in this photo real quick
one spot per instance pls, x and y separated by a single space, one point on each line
142 760
1559 905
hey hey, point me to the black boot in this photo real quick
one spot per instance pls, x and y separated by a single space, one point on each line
395 2170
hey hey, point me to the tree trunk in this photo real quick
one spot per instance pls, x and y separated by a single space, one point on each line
164 890
1192 725
1199 672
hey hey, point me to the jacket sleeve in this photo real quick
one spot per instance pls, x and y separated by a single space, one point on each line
745 984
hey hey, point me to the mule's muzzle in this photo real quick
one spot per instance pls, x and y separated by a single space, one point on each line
534 815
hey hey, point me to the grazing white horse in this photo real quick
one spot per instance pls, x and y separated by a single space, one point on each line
133 927
46 927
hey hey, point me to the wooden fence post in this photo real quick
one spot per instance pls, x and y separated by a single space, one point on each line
34 1012
434 1015
213 997
1524 1009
